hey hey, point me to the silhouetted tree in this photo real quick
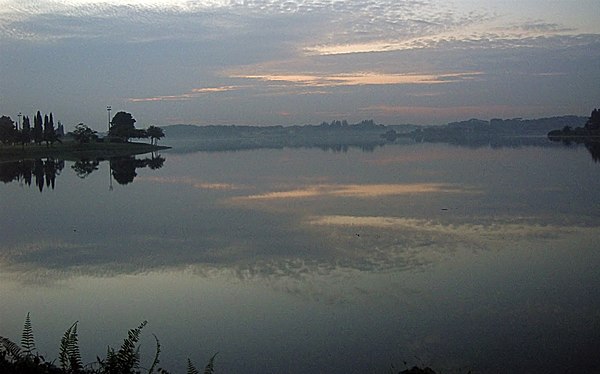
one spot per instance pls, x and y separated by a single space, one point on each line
37 133
26 131
7 130
155 133
60 130
593 123
123 126
49 134
84 134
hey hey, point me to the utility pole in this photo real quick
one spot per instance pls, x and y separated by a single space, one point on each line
108 109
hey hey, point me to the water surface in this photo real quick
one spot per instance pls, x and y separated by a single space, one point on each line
299 260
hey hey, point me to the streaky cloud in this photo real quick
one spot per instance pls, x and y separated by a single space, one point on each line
354 191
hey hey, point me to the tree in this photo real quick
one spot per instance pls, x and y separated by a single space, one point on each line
37 133
155 133
26 131
7 130
49 132
593 122
123 126
84 134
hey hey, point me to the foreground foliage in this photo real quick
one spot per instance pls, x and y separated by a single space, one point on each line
23 358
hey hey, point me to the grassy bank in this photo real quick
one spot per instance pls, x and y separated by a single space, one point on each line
72 151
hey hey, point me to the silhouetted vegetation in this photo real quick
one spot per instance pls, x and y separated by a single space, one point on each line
123 169
84 134
588 135
43 172
475 131
43 130
81 138
589 131
122 127
25 359
155 134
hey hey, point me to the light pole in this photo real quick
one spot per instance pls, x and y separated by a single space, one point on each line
108 108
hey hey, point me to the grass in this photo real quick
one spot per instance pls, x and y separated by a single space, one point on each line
73 151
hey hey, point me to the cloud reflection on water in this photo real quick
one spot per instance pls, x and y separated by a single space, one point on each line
355 191
322 247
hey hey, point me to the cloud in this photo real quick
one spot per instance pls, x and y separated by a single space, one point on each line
194 182
312 84
303 55
353 191
195 93
361 79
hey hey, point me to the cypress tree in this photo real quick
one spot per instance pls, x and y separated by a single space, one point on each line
26 131
37 134
49 135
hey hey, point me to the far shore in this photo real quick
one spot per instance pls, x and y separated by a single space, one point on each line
76 151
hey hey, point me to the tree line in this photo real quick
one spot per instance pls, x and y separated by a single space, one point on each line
43 130
122 129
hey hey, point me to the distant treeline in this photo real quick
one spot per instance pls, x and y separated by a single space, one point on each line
476 128
462 129
591 129
277 130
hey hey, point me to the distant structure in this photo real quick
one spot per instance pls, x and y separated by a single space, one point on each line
108 109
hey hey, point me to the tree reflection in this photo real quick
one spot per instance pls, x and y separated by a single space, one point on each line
85 167
124 168
593 146
43 171
594 149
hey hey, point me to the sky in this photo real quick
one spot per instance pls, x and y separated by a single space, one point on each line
278 62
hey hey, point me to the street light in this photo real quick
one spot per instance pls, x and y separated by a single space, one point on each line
108 109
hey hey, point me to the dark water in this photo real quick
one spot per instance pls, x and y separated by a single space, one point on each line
305 260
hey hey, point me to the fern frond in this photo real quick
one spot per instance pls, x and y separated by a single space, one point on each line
27 340
128 358
191 369
69 355
63 352
209 368
11 348
156 360
74 353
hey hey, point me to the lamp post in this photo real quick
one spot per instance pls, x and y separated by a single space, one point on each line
108 109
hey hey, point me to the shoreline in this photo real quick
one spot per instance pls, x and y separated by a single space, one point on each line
77 151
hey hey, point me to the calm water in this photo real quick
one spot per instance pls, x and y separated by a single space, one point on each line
304 260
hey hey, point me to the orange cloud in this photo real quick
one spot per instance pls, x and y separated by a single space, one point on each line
361 79
196 92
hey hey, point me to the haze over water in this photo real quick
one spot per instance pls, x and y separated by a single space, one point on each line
300 260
